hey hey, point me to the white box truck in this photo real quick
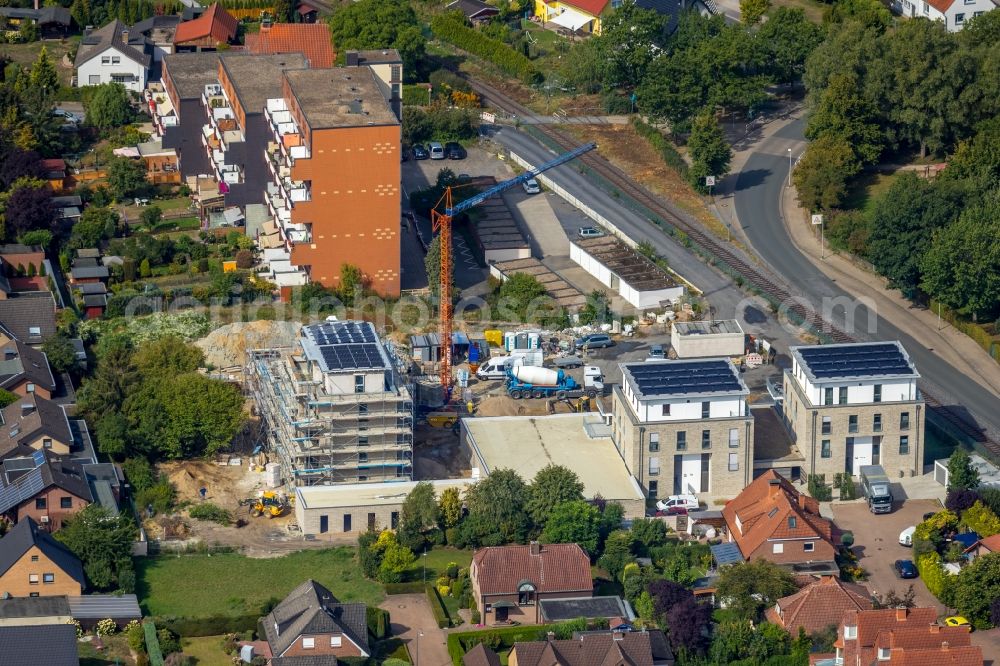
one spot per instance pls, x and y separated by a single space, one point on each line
877 490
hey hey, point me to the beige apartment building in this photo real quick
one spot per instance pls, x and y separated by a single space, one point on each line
684 427
850 405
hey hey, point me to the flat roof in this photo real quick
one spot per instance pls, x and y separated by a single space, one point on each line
627 263
340 97
191 72
559 289
861 360
526 444
366 494
378 57
257 78
721 327
558 610
701 377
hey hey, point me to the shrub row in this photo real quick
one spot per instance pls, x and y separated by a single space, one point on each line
498 639
152 644
981 520
510 62
378 622
933 575
662 144
210 625
413 587
437 607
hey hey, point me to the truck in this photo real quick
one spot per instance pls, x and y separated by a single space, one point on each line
525 381
877 490
496 367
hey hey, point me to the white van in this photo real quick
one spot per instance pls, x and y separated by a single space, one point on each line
496 367
437 151
906 536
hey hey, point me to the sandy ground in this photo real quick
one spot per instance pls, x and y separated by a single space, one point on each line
226 346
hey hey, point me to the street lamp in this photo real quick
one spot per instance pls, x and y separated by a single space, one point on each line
416 651
789 167
423 562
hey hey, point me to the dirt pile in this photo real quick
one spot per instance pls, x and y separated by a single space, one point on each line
226 346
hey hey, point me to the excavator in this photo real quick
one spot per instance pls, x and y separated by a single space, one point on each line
269 502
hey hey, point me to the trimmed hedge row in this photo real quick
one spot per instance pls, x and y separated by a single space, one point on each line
413 587
662 144
379 625
498 639
210 625
152 644
510 62
933 575
437 607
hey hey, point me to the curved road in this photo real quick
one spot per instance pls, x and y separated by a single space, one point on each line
757 202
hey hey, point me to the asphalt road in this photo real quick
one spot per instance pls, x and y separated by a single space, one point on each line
757 194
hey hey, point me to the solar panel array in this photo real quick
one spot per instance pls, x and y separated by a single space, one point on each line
685 378
829 362
342 332
345 356
22 489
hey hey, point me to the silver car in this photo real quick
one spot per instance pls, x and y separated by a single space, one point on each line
531 186
589 232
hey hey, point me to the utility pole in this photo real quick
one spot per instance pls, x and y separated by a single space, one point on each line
789 167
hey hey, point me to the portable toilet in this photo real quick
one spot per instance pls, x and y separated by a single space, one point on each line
522 340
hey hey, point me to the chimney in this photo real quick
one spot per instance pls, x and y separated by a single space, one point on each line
773 487
125 36
618 635
802 501
901 615
351 59
37 5
535 548
550 635
935 628
944 645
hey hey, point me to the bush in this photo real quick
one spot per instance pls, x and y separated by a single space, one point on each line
134 636
210 625
378 622
452 571
475 616
497 639
106 627
413 587
960 500
169 641
244 259
437 607
933 575
845 483
981 520
663 145
212 512
452 29
818 488
161 497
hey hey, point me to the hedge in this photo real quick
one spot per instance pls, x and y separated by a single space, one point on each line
209 625
152 644
461 642
437 607
662 144
980 519
414 587
378 622
453 30
933 575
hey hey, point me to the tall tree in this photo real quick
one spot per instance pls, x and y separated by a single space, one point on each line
961 474
553 485
497 509
789 37
420 508
843 113
978 588
450 507
687 625
26 206
379 24
103 542
752 11
125 177
751 587
574 522
630 39
710 153
823 171
107 106
43 72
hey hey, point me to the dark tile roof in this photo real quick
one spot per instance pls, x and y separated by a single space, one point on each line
30 416
41 645
26 534
473 8
480 655
312 609
89 272
17 607
18 361
17 248
558 567
67 475
111 36
311 660
90 288
20 314
631 648
44 15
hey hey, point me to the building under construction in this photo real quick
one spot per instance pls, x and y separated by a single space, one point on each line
333 407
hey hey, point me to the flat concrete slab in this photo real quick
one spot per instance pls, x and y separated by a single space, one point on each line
538 222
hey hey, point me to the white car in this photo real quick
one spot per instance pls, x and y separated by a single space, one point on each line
531 186
678 504
906 536
589 232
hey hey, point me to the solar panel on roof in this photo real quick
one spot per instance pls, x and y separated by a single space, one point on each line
855 361
699 377
726 553
342 332
341 356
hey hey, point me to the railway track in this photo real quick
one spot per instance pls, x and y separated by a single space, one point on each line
770 286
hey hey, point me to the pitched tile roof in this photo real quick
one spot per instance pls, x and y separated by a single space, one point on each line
312 609
30 416
633 648
895 628
22 314
311 39
216 23
48 644
22 607
941 5
26 534
557 567
990 543
967 655
764 511
819 605
480 655
592 7
18 361
113 36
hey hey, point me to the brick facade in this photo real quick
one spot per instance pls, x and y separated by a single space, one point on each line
34 565
51 505
322 646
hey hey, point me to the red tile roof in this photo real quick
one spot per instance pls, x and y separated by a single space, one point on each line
558 567
941 5
592 7
968 655
819 605
763 511
910 634
216 23
311 39
990 543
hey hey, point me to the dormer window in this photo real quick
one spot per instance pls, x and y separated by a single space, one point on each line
883 654
850 632
34 330
792 522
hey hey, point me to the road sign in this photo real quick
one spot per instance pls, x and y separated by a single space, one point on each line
817 219
488 117
709 181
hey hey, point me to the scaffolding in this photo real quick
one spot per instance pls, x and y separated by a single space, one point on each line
323 438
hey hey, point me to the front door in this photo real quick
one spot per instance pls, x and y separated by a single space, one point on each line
862 454
691 473
501 614
324 524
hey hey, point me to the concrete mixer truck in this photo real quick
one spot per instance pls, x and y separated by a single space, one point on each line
527 381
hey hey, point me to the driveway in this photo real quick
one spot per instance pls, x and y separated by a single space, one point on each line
411 616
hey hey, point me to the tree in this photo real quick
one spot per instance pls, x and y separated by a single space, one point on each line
107 106
420 508
43 72
648 533
823 171
27 206
629 41
961 474
201 416
687 623
977 587
379 24
450 507
597 309
751 587
432 264
125 177
113 438
710 154
553 485
7 398
666 594
60 352
497 509
244 259
145 270
114 379
103 542
752 11
417 126
789 38
519 296
958 501
844 113
573 522
352 283
617 553
150 217
95 225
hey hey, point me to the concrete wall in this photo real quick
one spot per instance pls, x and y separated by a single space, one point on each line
706 345
682 409
310 520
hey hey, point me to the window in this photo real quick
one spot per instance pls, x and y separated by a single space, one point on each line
359 383
883 653
828 395
336 641
34 330
904 445
48 578
808 547
904 421
347 522
47 443
105 60
362 440
115 60
65 502
827 424
397 72
362 408
34 558
851 632
94 79
308 643
40 503
30 388
878 393
654 442
959 19
877 423
33 594
824 449
706 409
654 487
362 457
706 439
852 423
926 9
777 548
666 410
122 78
842 395
363 425
734 438
395 91
682 443
734 462
793 522
394 519
654 466
33 579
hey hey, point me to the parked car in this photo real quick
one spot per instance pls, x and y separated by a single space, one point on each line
906 536
420 152
531 186
678 504
67 116
589 232
656 353
454 151
568 362
595 341
905 568
957 621
436 151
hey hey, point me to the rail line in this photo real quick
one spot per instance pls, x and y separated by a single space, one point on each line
768 285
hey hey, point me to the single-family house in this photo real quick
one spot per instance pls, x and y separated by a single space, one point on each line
313 40
903 636
590 648
574 15
509 581
25 370
214 27
310 622
44 487
37 423
983 546
953 13
819 605
48 644
113 54
52 22
475 11
29 317
771 520
34 564
18 260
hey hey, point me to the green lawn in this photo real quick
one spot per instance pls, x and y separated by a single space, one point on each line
227 583
436 562
813 9
26 54
207 650
867 187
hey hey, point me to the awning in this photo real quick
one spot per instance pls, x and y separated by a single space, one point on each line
572 19
726 553
504 604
